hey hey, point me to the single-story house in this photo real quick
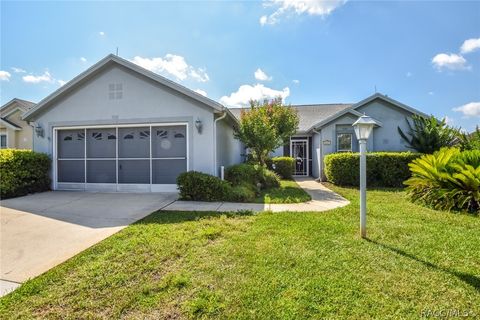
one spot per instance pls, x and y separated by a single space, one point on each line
15 132
120 127
327 128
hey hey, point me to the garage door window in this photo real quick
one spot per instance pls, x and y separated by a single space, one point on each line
154 154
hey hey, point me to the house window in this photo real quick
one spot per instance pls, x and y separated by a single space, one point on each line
3 141
344 142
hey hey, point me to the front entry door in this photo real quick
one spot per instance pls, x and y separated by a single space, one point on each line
299 151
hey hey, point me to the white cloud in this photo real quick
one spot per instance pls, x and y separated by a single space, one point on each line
202 92
470 45
263 20
261 75
471 109
5 75
311 7
296 81
45 77
245 93
61 82
450 61
18 70
83 59
101 33
173 65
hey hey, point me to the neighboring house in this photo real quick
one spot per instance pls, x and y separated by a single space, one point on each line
120 127
15 133
327 128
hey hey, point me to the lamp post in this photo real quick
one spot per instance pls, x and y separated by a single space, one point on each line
363 127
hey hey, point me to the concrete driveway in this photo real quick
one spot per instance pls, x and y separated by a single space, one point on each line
40 231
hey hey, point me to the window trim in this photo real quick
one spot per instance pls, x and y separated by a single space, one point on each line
351 142
6 140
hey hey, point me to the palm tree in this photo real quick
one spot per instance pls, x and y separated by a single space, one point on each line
428 134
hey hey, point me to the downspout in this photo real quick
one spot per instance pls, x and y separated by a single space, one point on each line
215 142
320 156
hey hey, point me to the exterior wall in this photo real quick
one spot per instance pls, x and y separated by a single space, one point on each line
22 138
229 149
328 143
17 139
277 152
143 101
387 138
316 139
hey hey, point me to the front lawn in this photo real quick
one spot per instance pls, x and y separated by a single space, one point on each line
288 192
270 266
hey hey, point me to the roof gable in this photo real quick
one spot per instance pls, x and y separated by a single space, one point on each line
389 100
105 63
14 105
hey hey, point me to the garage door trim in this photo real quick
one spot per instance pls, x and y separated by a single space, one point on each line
117 187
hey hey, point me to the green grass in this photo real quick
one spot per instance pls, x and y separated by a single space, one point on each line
288 192
179 265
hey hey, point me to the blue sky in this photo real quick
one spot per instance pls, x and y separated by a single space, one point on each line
425 54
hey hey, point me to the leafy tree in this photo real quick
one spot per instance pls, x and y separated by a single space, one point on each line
470 141
428 134
265 127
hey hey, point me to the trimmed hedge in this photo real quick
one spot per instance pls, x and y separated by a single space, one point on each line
23 172
384 169
200 186
284 166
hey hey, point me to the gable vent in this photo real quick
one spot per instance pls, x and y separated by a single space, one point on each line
115 91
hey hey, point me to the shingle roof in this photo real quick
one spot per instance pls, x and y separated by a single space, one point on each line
24 104
309 114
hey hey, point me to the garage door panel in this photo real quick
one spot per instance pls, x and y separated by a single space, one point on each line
134 142
166 171
71 171
122 157
101 171
71 144
169 142
101 143
134 171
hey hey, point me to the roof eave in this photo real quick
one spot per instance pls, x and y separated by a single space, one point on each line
129 65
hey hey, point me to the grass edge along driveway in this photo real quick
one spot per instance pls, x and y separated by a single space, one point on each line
272 265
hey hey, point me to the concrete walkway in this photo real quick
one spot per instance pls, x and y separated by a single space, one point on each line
322 199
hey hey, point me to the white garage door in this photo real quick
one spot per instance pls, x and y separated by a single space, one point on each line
121 158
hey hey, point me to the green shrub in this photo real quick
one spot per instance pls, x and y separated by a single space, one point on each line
284 166
200 186
242 173
23 172
446 180
384 169
242 193
269 179
251 174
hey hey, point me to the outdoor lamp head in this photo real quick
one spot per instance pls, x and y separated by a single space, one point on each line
363 127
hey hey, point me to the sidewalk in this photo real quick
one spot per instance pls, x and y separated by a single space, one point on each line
322 199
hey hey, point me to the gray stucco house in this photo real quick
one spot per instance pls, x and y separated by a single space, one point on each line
120 127
327 128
